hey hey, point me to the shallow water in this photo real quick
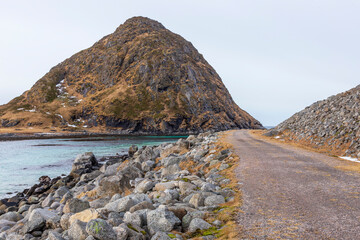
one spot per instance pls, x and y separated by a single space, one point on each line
23 162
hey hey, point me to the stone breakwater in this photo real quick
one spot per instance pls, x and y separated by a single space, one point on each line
171 191
333 123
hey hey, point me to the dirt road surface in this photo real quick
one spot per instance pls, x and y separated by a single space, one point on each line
291 193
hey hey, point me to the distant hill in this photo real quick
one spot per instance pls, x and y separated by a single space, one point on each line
333 123
140 79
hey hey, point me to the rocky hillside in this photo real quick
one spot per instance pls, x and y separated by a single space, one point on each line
332 123
140 79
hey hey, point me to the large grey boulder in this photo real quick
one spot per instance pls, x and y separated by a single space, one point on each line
11 216
121 232
186 220
77 231
60 192
197 200
83 163
161 236
170 170
120 205
144 186
214 200
133 218
65 220
75 205
100 229
142 205
37 219
162 219
5 224
120 182
53 235
198 224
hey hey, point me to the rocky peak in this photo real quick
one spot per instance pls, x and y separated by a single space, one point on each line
141 78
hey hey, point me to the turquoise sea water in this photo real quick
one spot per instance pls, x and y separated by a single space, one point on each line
23 162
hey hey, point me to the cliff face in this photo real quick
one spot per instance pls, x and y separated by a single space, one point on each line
141 78
332 123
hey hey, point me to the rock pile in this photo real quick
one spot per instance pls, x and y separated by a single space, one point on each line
332 123
160 192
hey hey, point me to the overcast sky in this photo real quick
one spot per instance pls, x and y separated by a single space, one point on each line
275 57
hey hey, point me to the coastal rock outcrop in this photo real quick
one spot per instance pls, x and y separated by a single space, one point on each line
332 123
141 79
179 205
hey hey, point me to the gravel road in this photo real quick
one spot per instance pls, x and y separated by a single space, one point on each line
291 193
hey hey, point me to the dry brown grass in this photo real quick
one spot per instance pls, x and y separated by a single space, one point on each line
227 212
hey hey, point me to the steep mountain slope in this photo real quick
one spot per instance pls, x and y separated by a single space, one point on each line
333 123
142 78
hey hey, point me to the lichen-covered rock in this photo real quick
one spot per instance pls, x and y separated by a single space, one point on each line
100 229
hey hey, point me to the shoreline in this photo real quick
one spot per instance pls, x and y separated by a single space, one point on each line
36 136
184 184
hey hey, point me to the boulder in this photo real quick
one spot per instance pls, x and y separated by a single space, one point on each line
120 205
86 160
121 232
100 229
144 186
214 200
186 220
37 219
186 187
161 236
198 224
132 150
133 218
53 235
142 205
48 200
162 219
170 170
77 231
164 185
85 216
60 192
75 205
197 200
64 221
11 216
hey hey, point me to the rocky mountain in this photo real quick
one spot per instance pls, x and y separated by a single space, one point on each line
333 123
140 79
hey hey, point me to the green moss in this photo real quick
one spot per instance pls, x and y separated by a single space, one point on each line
131 227
210 231
172 235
